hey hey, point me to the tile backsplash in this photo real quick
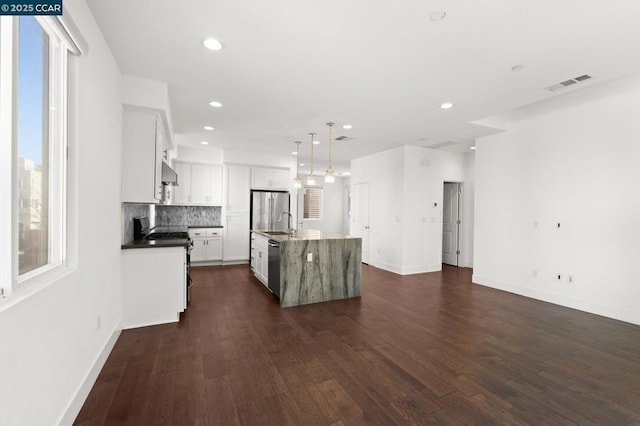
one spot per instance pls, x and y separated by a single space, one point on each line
129 211
168 216
187 215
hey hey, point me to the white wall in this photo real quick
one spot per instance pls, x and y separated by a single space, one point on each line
574 161
468 210
332 208
195 155
384 173
425 171
49 342
404 184
262 159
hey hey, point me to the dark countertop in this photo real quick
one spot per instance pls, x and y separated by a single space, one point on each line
180 228
205 226
166 242
144 243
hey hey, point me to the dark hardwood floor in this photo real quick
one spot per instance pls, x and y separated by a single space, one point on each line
421 349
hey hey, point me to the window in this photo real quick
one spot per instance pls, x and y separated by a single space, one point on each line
33 89
312 203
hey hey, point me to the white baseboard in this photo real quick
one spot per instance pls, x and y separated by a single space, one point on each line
591 307
76 403
235 262
386 266
421 269
409 270
206 263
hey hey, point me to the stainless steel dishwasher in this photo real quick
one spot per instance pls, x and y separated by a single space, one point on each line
274 267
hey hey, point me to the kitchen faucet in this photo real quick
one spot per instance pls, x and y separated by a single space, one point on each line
290 216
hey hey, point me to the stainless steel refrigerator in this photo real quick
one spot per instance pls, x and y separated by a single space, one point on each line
266 208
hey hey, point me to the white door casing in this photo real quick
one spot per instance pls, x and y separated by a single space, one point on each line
360 217
451 223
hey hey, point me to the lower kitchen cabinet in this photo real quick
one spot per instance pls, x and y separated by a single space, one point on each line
260 258
154 285
236 240
207 244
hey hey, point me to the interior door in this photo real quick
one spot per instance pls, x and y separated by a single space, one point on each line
360 217
451 224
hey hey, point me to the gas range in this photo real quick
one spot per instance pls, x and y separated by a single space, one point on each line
171 235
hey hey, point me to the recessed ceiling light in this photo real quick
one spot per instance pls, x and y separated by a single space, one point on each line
345 173
208 128
204 143
446 105
302 164
215 104
438 15
347 127
517 68
472 147
294 153
316 142
212 44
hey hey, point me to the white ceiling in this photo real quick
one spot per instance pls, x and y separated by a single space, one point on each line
289 66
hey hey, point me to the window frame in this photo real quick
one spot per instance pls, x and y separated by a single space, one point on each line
321 202
14 286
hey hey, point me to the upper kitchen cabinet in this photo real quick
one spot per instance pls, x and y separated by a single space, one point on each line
147 138
237 189
182 192
142 151
199 184
206 184
270 179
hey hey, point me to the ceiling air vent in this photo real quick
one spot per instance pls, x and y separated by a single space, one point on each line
567 83
343 138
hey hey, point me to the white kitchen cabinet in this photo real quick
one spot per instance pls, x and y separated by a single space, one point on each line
154 285
182 192
206 184
207 244
238 190
260 257
236 241
142 151
237 197
273 179
198 184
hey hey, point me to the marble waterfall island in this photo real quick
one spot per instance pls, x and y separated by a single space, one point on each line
317 266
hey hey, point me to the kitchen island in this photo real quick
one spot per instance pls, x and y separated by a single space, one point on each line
317 266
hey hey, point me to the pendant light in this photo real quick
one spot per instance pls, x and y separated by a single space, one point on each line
297 182
311 180
329 175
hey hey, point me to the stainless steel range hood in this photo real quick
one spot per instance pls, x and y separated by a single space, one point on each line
169 176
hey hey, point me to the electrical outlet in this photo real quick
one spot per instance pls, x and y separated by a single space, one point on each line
98 323
309 257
